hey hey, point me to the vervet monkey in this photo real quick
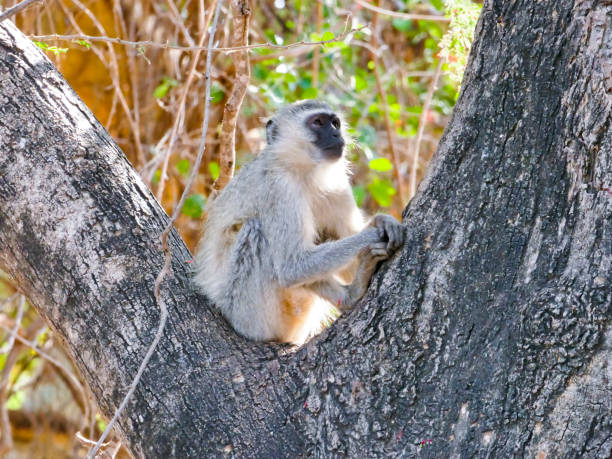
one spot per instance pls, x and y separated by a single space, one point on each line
279 234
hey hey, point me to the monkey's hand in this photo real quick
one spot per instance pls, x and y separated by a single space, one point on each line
390 231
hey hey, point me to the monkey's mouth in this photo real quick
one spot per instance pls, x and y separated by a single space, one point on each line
333 152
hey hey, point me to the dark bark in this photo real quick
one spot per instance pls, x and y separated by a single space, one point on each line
488 334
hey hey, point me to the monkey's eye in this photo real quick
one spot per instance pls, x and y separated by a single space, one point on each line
318 122
335 123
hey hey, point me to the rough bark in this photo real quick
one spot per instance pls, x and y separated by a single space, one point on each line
488 334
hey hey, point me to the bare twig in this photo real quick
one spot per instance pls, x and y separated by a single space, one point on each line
11 341
176 19
16 9
109 449
113 67
241 13
385 104
166 248
134 80
317 50
11 360
167 45
181 110
395 14
422 123
68 376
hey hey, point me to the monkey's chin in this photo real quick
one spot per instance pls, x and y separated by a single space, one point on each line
332 154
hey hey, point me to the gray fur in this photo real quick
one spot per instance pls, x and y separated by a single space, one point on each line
259 260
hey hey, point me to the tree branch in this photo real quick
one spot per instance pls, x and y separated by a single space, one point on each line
17 8
166 248
395 14
241 12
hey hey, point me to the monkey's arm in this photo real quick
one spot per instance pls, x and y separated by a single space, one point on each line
315 263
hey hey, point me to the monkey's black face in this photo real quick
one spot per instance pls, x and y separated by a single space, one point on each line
328 137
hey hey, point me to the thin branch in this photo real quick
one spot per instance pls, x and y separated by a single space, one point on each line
167 45
71 379
113 67
241 13
317 50
383 99
176 20
164 238
181 110
16 9
9 345
134 81
422 123
395 14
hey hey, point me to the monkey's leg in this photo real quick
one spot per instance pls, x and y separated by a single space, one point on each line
319 262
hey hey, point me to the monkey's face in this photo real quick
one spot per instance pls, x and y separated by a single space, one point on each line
326 129
306 134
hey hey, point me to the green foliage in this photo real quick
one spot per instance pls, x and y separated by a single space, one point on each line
100 422
214 170
54 49
156 177
162 89
16 400
216 93
455 44
380 165
382 191
84 43
194 205
183 166
359 194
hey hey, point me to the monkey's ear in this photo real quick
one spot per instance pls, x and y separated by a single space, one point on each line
271 132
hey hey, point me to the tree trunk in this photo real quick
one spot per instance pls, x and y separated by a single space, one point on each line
489 334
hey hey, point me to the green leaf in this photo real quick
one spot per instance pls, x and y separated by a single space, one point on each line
360 83
164 87
359 194
84 43
368 135
310 93
402 24
437 4
213 168
15 401
101 423
183 167
156 177
54 49
161 91
194 205
380 165
382 191
327 36
394 111
216 93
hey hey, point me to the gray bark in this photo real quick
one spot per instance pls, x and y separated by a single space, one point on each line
488 334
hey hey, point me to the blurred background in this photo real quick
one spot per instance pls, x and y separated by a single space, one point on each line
393 68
